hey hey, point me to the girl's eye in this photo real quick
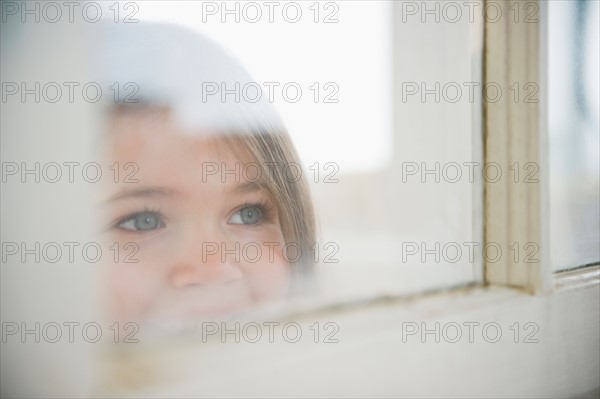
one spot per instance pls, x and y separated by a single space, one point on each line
143 221
247 215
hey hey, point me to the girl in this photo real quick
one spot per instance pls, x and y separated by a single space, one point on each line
211 211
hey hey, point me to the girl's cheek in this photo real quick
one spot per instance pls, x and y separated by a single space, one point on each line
268 276
132 289
264 261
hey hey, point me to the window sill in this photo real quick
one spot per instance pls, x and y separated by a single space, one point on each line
372 358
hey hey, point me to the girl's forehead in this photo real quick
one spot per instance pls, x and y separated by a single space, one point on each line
156 132
165 156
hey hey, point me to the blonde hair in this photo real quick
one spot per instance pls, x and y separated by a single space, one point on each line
291 194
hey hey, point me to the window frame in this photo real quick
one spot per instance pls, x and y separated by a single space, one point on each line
517 132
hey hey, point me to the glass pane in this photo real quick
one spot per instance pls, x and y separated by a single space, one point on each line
573 71
387 139
176 152
384 143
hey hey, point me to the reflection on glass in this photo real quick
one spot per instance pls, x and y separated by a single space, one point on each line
574 133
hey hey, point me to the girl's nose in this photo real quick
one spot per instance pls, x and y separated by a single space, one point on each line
206 264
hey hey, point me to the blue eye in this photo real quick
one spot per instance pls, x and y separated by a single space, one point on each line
143 221
247 215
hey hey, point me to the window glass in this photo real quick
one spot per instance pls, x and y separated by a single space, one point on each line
131 139
388 139
573 87
198 201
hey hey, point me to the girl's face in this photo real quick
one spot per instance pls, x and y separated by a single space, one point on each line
192 243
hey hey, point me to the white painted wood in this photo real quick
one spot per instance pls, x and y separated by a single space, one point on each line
371 359
515 135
